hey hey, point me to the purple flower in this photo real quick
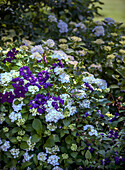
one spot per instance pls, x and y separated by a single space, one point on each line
55 105
87 85
86 114
101 116
20 91
43 76
8 97
38 102
114 118
116 114
18 82
11 55
25 71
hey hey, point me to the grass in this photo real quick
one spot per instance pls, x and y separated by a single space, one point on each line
114 9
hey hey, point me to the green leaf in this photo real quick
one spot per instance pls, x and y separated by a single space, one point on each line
66 122
15 130
24 145
29 128
88 155
35 138
56 138
68 139
13 140
25 138
35 159
25 164
74 154
114 87
37 125
102 152
50 142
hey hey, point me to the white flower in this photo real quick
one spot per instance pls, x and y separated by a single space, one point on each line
72 110
93 132
5 78
63 27
99 31
5 146
42 156
34 112
14 73
2 118
90 79
15 116
49 43
54 116
18 107
27 157
52 18
37 48
33 89
15 152
58 70
85 103
0 141
36 55
101 84
81 25
60 55
64 78
53 160
57 168
51 127
88 126
31 145
110 21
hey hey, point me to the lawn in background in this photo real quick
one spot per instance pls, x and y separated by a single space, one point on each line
114 9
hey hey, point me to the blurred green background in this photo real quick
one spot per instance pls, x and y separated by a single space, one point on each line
114 9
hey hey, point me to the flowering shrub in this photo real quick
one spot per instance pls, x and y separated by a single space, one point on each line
51 118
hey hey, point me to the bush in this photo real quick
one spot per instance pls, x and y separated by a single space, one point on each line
30 19
51 117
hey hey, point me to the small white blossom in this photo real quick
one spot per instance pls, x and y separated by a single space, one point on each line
93 132
72 110
5 146
15 152
51 127
37 48
15 116
31 145
33 89
42 156
5 78
2 118
99 31
0 141
53 160
36 56
57 168
64 78
63 27
27 157
110 21
49 43
88 126
34 112
85 103
54 116
18 107
52 18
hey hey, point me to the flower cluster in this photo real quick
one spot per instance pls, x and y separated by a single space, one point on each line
50 115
